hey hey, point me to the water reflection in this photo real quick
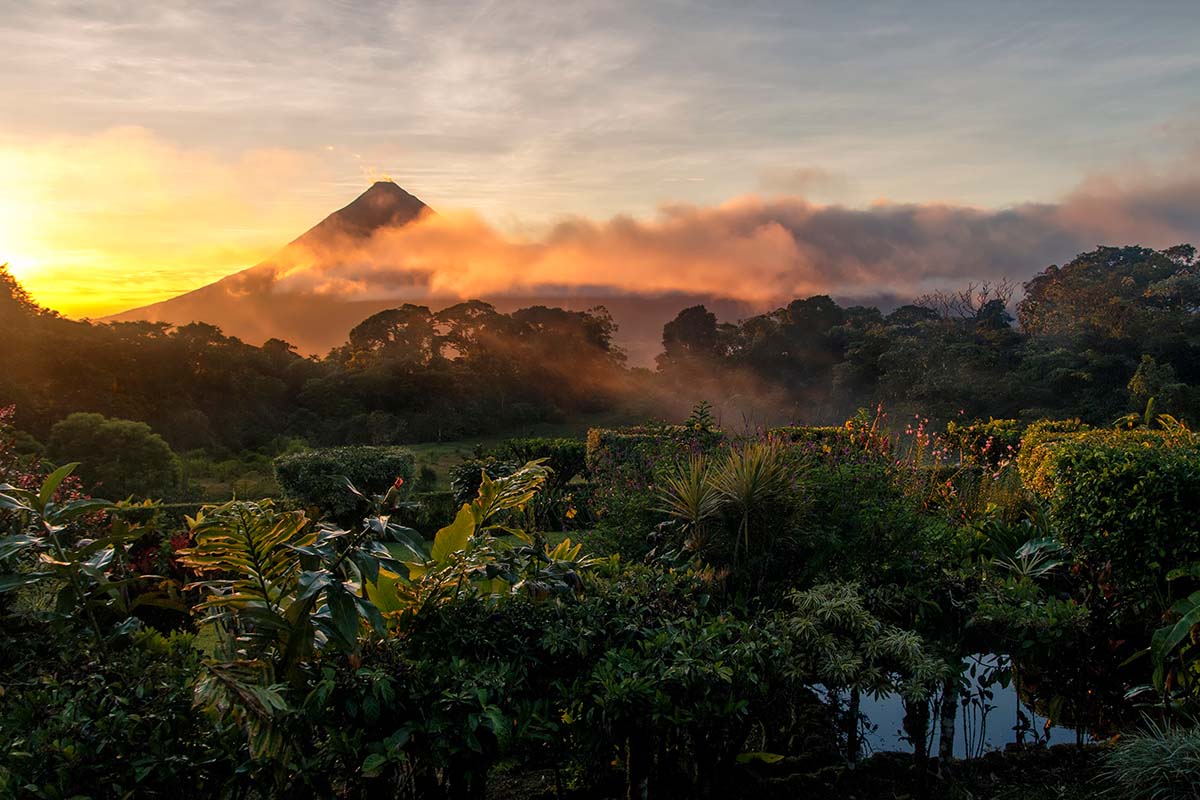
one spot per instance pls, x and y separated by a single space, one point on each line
988 722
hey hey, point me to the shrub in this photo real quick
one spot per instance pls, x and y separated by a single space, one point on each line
434 510
119 457
1129 498
627 458
624 462
566 457
465 478
78 722
318 477
1032 450
804 435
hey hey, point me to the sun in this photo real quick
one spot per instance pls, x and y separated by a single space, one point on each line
14 249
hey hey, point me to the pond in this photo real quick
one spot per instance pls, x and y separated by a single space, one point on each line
987 723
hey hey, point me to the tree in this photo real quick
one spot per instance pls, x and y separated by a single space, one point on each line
693 333
405 334
120 456
1114 291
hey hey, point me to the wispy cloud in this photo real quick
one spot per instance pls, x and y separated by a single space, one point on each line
603 107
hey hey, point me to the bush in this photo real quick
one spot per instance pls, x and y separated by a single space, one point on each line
81 723
1032 451
623 463
465 478
318 477
434 511
627 458
814 435
118 457
1125 498
566 457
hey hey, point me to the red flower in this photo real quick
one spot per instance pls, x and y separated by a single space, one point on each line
399 482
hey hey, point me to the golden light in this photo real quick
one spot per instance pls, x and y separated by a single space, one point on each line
92 225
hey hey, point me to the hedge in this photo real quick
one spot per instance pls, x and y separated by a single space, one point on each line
1031 457
623 463
318 477
1125 498
627 458
566 457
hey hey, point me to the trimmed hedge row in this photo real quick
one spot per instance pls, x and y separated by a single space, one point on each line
318 477
566 457
627 458
1129 499
1031 460
623 463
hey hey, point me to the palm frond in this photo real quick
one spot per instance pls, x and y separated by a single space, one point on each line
250 550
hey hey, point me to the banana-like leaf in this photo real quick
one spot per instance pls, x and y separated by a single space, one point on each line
343 614
453 537
1168 637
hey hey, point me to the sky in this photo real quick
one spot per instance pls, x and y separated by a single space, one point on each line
150 148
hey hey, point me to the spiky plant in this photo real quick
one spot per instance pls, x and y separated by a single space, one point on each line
1162 762
687 494
750 478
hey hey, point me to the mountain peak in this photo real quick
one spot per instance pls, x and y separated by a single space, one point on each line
384 204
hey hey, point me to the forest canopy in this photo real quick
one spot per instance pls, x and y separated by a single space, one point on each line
1093 338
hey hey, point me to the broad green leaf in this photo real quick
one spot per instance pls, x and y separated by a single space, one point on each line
343 614
373 765
370 613
1167 638
384 593
53 481
453 537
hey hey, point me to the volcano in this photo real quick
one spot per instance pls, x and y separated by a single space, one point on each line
263 301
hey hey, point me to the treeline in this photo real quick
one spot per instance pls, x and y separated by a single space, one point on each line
406 374
1096 338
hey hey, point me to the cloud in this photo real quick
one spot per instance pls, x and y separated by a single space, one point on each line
754 249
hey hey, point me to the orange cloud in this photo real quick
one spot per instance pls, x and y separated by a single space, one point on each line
750 249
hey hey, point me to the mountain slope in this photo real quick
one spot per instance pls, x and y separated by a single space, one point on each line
254 306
